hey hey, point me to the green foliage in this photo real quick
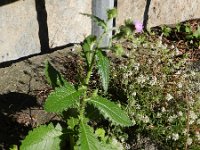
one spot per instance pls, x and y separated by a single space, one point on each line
43 138
62 99
166 30
13 147
111 111
54 78
65 96
88 46
101 133
103 68
196 34
118 49
162 89
125 30
87 138
112 13
72 122
183 31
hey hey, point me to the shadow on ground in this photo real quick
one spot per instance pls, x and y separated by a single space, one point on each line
11 132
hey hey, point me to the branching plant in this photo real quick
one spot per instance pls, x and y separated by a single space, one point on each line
66 96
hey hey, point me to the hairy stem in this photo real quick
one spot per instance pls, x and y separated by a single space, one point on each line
86 84
88 76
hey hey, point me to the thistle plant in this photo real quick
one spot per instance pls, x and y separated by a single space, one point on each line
66 96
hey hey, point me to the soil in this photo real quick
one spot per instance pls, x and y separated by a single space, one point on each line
23 90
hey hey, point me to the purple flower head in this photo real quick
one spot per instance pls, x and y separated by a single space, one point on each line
138 26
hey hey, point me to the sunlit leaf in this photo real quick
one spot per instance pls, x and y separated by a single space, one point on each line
42 138
62 99
103 69
87 138
111 111
88 45
111 13
72 122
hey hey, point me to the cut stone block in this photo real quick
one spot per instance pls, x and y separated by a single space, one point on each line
65 23
18 30
27 27
159 11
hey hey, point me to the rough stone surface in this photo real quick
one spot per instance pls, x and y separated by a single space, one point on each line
159 11
31 26
27 27
18 30
65 23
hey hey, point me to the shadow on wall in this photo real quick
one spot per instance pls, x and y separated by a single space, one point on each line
146 13
43 27
6 2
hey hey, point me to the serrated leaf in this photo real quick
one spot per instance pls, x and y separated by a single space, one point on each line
103 69
111 13
87 138
61 99
111 111
87 46
54 78
100 22
42 138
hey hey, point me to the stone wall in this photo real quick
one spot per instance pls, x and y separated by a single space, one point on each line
65 23
18 30
33 26
158 12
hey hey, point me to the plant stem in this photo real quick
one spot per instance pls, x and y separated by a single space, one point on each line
88 76
86 82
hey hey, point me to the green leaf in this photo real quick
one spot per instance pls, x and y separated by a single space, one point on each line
111 13
13 147
103 69
118 49
87 138
72 122
188 28
42 138
61 99
54 78
111 111
196 34
166 30
100 132
97 20
88 45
